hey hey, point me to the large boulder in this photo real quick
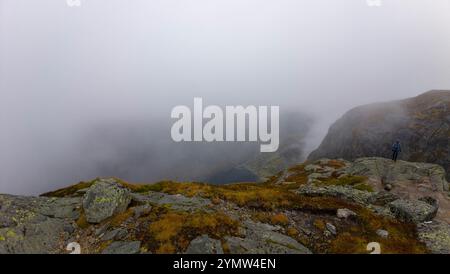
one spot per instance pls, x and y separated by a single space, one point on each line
416 211
104 199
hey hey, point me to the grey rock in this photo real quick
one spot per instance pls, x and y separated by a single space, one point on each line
116 234
25 228
69 228
123 248
6 221
341 192
102 229
105 199
262 238
382 233
141 210
331 228
413 210
344 213
382 198
67 208
204 245
40 238
436 236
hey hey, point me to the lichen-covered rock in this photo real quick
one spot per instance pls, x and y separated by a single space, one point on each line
436 236
204 245
123 248
62 208
341 192
104 199
26 228
416 211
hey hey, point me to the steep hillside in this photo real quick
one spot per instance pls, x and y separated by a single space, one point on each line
421 124
327 206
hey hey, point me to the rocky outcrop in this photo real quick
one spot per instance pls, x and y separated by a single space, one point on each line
416 211
423 175
422 124
35 224
326 206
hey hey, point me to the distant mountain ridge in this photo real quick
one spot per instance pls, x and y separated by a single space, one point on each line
421 124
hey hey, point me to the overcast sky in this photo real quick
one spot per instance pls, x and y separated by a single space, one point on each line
76 83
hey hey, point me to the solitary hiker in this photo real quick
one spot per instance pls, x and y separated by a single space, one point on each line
396 149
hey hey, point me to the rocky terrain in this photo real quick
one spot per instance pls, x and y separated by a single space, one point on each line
323 206
421 124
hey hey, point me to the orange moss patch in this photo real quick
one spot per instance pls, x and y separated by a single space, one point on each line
119 219
279 219
292 232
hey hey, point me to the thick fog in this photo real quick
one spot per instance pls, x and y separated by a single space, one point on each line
87 90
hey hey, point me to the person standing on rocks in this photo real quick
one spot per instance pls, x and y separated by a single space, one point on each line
396 149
